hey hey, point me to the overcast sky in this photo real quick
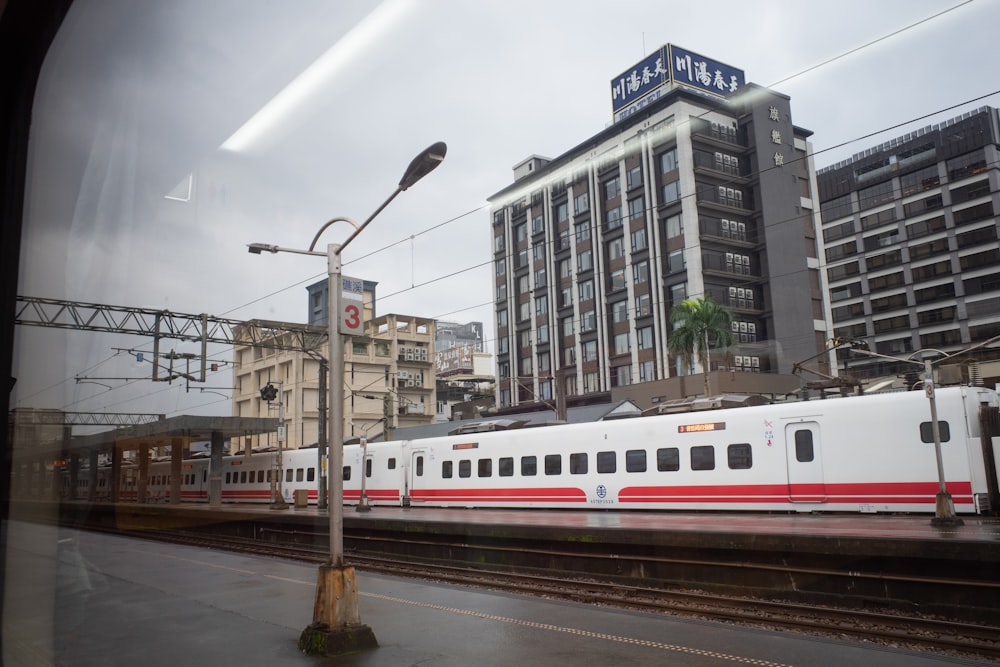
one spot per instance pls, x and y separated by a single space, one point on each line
139 94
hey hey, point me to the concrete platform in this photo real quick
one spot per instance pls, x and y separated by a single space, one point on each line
77 598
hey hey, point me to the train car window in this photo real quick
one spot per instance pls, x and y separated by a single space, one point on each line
446 469
703 457
553 464
607 462
288 474
668 459
465 468
529 466
368 467
804 446
635 460
269 476
347 473
204 476
228 477
243 477
578 464
927 431
311 474
420 466
300 474
505 467
392 463
740 456
485 467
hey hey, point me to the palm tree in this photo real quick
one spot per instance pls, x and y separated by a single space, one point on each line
697 324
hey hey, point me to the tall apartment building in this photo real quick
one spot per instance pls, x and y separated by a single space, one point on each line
911 244
692 191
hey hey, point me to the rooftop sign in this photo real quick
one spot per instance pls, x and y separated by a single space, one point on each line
668 67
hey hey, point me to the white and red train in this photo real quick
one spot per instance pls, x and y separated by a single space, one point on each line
860 454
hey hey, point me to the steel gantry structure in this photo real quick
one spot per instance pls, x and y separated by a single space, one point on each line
160 324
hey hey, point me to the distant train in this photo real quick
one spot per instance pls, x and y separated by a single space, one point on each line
860 454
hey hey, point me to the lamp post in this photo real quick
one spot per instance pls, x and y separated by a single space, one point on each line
336 628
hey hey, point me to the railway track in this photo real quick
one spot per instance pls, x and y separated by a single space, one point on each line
912 631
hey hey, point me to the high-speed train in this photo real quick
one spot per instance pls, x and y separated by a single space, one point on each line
859 454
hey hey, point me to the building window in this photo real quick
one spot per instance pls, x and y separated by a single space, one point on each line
645 338
588 350
617 280
668 161
561 212
585 261
639 240
612 188
675 261
647 371
581 203
613 218
622 343
588 321
591 382
671 192
674 226
567 326
636 209
619 311
643 306
640 272
587 290
622 376
583 232
541 305
616 248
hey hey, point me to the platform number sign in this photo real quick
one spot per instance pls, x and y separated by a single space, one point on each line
352 311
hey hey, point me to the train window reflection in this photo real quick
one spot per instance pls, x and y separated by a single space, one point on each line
420 466
606 462
668 459
368 467
578 464
804 446
553 464
529 466
465 468
485 467
740 456
447 469
703 457
635 460
927 431
347 473
506 466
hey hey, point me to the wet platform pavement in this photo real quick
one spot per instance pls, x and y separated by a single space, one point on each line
78 598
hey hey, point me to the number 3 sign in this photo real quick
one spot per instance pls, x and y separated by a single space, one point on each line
352 311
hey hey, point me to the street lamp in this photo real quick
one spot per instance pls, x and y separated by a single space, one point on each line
336 628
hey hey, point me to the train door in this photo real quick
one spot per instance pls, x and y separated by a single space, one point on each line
414 477
805 463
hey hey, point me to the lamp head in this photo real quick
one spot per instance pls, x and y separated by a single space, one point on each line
423 164
257 248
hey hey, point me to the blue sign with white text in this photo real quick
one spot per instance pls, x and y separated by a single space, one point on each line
709 76
668 67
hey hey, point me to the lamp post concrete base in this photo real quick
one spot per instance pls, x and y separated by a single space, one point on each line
336 628
944 512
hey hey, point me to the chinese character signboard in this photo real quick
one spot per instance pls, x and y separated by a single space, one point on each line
671 66
454 361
